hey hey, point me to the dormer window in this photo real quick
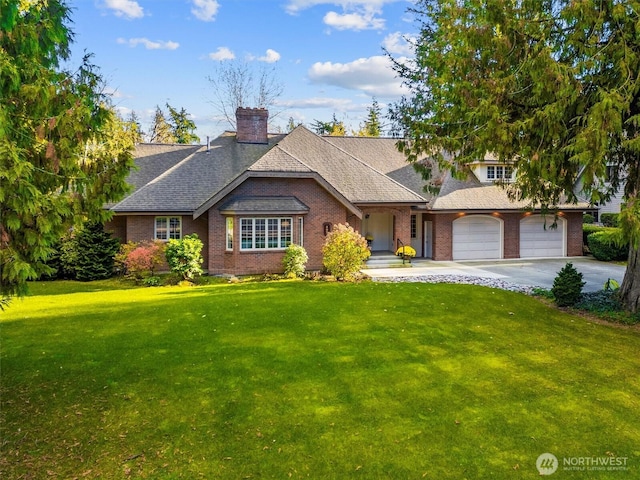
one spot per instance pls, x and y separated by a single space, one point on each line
499 172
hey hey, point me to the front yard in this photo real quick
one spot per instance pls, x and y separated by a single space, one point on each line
310 380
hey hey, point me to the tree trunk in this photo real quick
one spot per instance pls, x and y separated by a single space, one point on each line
630 288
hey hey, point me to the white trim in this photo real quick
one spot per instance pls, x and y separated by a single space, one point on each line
229 234
168 219
280 239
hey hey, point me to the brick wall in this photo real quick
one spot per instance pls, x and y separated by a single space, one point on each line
138 228
574 234
323 208
511 234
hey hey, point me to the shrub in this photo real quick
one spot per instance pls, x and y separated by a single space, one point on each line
185 256
567 286
408 251
140 260
604 301
344 251
609 219
89 254
588 218
605 245
295 260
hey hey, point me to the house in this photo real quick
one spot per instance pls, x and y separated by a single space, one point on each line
248 194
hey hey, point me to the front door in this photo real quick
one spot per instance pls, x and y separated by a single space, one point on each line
380 227
428 239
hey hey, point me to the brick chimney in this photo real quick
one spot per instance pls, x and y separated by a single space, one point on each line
251 125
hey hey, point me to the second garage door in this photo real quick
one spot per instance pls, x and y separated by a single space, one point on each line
538 241
477 237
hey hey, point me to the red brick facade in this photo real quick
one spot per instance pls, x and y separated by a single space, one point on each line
442 247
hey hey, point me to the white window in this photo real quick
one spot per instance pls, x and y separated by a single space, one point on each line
499 172
265 233
301 230
229 233
168 228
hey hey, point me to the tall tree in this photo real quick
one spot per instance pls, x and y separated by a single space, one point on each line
161 130
237 84
133 126
334 128
182 126
372 126
63 151
551 86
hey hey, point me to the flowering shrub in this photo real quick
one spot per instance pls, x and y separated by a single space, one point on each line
408 251
294 261
139 260
344 251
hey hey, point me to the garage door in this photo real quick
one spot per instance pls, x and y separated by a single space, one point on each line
536 241
477 237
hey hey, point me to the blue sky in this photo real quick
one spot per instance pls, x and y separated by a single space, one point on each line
328 55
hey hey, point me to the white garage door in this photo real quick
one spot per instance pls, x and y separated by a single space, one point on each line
536 241
477 237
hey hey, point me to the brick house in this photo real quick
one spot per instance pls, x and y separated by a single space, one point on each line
249 194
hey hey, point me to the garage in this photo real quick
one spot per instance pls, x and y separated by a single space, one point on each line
477 237
536 241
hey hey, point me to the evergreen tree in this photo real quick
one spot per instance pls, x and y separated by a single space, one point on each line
551 87
89 254
372 126
182 126
161 131
63 151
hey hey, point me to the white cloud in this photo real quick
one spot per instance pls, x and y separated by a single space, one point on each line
148 44
373 76
295 6
354 21
271 56
222 53
205 10
396 43
125 8
335 104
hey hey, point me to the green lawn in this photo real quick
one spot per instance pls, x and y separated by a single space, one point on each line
310 380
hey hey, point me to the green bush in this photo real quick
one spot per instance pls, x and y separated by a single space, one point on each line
295 260
344 251
588 229
609 219
606 246
588 218
185 256
567 286
88 254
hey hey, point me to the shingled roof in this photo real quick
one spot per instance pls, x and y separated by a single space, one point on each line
354 176
187 184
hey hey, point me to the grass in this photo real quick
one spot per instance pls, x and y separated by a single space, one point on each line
309 380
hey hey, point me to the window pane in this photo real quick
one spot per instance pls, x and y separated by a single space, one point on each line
161 228
499 173
246 233
259 232
174 228
285 232
273 233
229 233
491 173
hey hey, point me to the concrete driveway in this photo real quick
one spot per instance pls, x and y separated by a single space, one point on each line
530 272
